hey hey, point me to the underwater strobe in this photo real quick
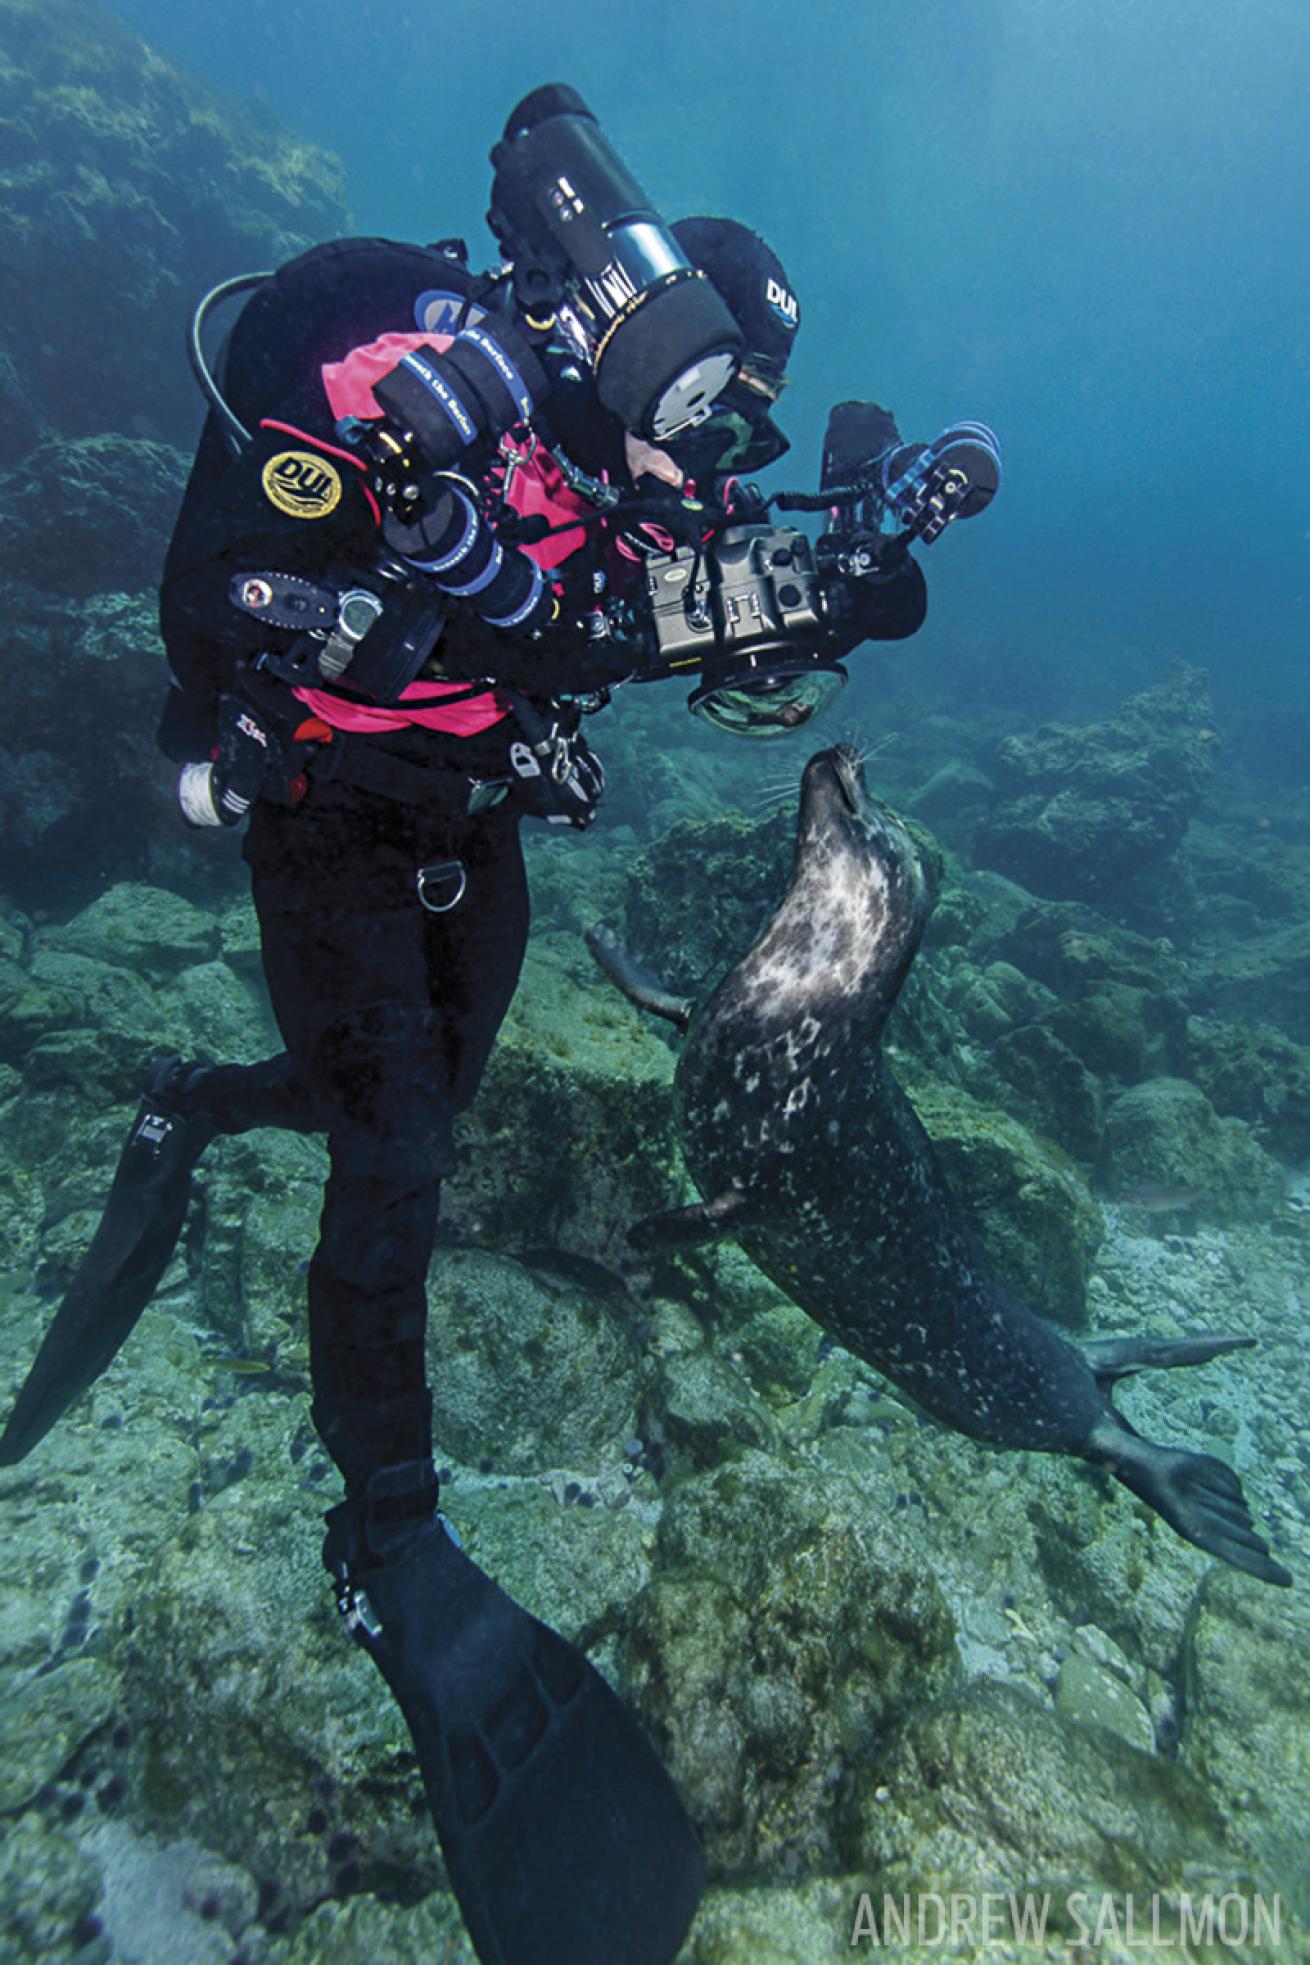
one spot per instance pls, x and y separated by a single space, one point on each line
587 245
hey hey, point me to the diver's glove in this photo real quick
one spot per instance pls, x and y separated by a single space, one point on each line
221 792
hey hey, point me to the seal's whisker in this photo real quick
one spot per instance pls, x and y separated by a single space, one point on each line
877 746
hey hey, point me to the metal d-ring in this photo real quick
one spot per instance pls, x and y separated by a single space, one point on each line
452 872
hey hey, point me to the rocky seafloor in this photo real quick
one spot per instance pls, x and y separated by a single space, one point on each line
879 1660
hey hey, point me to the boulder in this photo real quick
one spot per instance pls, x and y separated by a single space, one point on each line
787 1626
1034 1212
1084 811
1165 1135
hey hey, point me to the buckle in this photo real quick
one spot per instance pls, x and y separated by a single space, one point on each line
354 1608
153 1128
441 885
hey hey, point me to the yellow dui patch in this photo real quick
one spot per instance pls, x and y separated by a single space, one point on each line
301 484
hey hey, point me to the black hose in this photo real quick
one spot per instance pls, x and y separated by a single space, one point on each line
235 434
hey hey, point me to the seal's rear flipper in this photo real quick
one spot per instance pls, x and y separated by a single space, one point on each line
1113 1358
1197 1494
691 1227
638 984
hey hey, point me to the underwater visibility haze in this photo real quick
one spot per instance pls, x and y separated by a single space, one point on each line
825 1554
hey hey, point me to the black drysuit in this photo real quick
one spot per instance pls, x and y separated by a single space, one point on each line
388 1011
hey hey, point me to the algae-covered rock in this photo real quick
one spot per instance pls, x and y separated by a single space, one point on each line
1257 1074
786 1625
527 1368
698 895
70 529
1098 1555
1054 1089
252 1710
571 1137
44 1716
807 1923
1092 1696
146 929
1246 1728
705 1406
1125 1032
1031 1206
222 1016
363 1931
1086 809
997 998
1165 1134
81 812
49 1889
992 1790
258 1729
128 189
1262 977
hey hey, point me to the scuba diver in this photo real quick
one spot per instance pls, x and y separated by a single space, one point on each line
435 519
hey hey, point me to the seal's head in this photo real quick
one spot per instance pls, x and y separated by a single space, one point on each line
855 908
834 791
857 866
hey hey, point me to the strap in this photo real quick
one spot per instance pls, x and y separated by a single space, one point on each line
355 761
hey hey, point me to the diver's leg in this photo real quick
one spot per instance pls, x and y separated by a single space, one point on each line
565 1841
475 953
240 1097
349 988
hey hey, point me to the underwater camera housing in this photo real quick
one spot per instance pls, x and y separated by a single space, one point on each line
587 245
750 611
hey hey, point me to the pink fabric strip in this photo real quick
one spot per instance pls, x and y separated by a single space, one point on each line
349 383
463 719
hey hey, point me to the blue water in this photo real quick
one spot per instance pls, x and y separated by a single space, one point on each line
1082 222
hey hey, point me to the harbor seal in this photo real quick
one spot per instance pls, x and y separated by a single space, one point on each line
807 1151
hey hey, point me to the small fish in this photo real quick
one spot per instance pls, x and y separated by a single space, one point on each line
244 1367
1155 1197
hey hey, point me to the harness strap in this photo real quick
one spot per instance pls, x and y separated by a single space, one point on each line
355 761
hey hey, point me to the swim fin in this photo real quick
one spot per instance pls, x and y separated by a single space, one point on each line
128 1254
565 1840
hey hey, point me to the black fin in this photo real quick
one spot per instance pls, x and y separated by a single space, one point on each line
1198 1495
565 1839
638 984
121 1270
1113 1358
690 1227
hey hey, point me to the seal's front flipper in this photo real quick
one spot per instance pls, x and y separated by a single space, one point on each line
1113 1358
1197 1494
121 1270
565 1840
692 1227
638 984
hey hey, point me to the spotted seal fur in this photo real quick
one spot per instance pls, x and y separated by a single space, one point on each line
809 1153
